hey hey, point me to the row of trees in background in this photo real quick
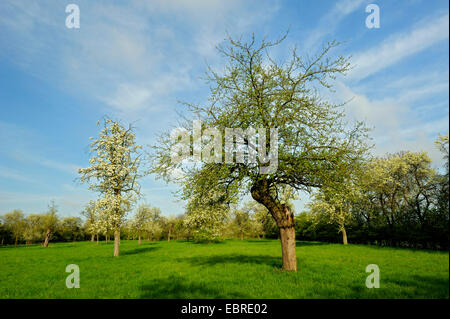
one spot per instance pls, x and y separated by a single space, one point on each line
147 224
16 228
398 200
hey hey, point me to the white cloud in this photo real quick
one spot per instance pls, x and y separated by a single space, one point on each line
11 174
129 97
396 125
330 21
399 46
132 58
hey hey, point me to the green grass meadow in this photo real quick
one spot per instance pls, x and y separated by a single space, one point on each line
230 269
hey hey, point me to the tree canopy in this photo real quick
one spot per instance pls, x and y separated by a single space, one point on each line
256 91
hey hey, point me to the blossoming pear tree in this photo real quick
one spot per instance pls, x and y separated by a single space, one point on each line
113 174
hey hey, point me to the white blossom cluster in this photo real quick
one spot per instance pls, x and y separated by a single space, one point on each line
113 174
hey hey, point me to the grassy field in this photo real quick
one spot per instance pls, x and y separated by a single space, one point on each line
232 269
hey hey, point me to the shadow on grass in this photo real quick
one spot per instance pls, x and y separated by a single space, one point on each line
233 259
418 286
139 250
431 284
143 243
298 243
259 241
177 287
310 243
61 246
193 242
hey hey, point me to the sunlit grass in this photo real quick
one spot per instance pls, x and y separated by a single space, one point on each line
232 269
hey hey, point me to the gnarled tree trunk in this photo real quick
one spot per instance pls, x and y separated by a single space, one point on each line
284 219
288 245
47 238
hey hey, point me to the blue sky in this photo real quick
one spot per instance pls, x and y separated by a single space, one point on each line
134 59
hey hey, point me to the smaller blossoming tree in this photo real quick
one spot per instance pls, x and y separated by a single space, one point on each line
114 174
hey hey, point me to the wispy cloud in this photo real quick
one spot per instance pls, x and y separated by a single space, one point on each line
399 46
23 146
134 57
12 174
396 124
330 21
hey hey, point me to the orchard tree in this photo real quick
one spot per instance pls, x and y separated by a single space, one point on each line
71 228
399 182
442 143
33 229
180 228
443 180
335 208
153 230
114 173
153 227
206 214
340 196
141 218
242 223
169 224
264 221
49 222
310 135
90 214
102 224
15 222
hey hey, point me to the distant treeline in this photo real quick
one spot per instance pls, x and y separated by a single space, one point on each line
401 201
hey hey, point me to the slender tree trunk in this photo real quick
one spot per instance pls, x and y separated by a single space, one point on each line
242 236
344 236
139 240
47 237
15 242
116 242
168 236
92 237
97 238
